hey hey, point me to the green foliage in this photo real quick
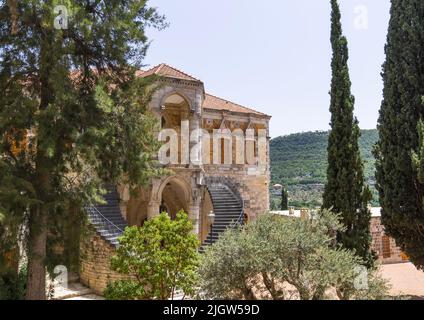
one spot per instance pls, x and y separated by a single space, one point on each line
159 258
345 191
284 199
275 202
418 158
300 162
399 152
13 285
284 258
73 116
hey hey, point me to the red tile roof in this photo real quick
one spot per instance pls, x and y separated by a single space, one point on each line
215 103
167 71
211 102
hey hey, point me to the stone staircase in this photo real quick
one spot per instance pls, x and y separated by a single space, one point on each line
228 210
107 218
110 225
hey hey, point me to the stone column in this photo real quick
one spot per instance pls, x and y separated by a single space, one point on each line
124 195
195 141
194 216
153 209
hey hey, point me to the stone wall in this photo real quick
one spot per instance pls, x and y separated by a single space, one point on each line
383 245
252 188
95 271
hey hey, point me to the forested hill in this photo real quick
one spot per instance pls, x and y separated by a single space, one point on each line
299 161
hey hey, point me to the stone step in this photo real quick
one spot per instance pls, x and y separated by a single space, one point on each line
222 212
227 209
226 204
226 218
100 222
107 218
110 223
73 290
223 225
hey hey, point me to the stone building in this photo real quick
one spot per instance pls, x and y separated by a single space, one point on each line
384 246
218 152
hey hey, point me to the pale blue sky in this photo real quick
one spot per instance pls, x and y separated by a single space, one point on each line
274 55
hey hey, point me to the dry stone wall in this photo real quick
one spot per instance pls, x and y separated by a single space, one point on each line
95 270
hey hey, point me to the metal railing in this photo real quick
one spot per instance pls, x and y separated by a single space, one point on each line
92 209
239 221
235 223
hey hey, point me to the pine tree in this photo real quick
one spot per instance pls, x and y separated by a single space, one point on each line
399 152
72 113
284 199
345 192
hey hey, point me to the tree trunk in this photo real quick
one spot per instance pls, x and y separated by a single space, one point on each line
36 281
248 293
269 283
72 237
38 229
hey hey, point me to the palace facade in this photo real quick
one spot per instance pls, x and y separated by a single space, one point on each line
221 165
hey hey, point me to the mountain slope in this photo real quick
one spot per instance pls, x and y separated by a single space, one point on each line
299 161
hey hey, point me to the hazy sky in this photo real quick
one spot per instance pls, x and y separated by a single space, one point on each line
275 55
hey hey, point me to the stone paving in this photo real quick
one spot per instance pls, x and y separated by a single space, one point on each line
405 279
75 291
87 297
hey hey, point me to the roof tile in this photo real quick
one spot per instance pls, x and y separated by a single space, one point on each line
167 71
211 102
215 103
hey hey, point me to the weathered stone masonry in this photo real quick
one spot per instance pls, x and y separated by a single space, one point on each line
182 97
95 271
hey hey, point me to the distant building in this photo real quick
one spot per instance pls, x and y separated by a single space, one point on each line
382 244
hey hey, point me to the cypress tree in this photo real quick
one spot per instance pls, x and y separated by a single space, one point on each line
284 199
399 152
345 192
72 113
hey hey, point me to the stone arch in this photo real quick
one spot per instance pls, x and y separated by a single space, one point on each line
174 194
176 92
175 117
175 178
174 107
136 207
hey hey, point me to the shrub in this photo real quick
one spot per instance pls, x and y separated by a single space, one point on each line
13 285
159 258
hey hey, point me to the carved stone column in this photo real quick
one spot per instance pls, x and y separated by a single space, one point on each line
153 209
194 211
195 141
195 218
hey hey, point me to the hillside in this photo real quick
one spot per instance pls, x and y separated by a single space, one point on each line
299 161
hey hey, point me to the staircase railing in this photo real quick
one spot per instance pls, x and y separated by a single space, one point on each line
98 214
240 219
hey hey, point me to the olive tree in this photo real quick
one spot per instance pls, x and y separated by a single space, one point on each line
283 258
